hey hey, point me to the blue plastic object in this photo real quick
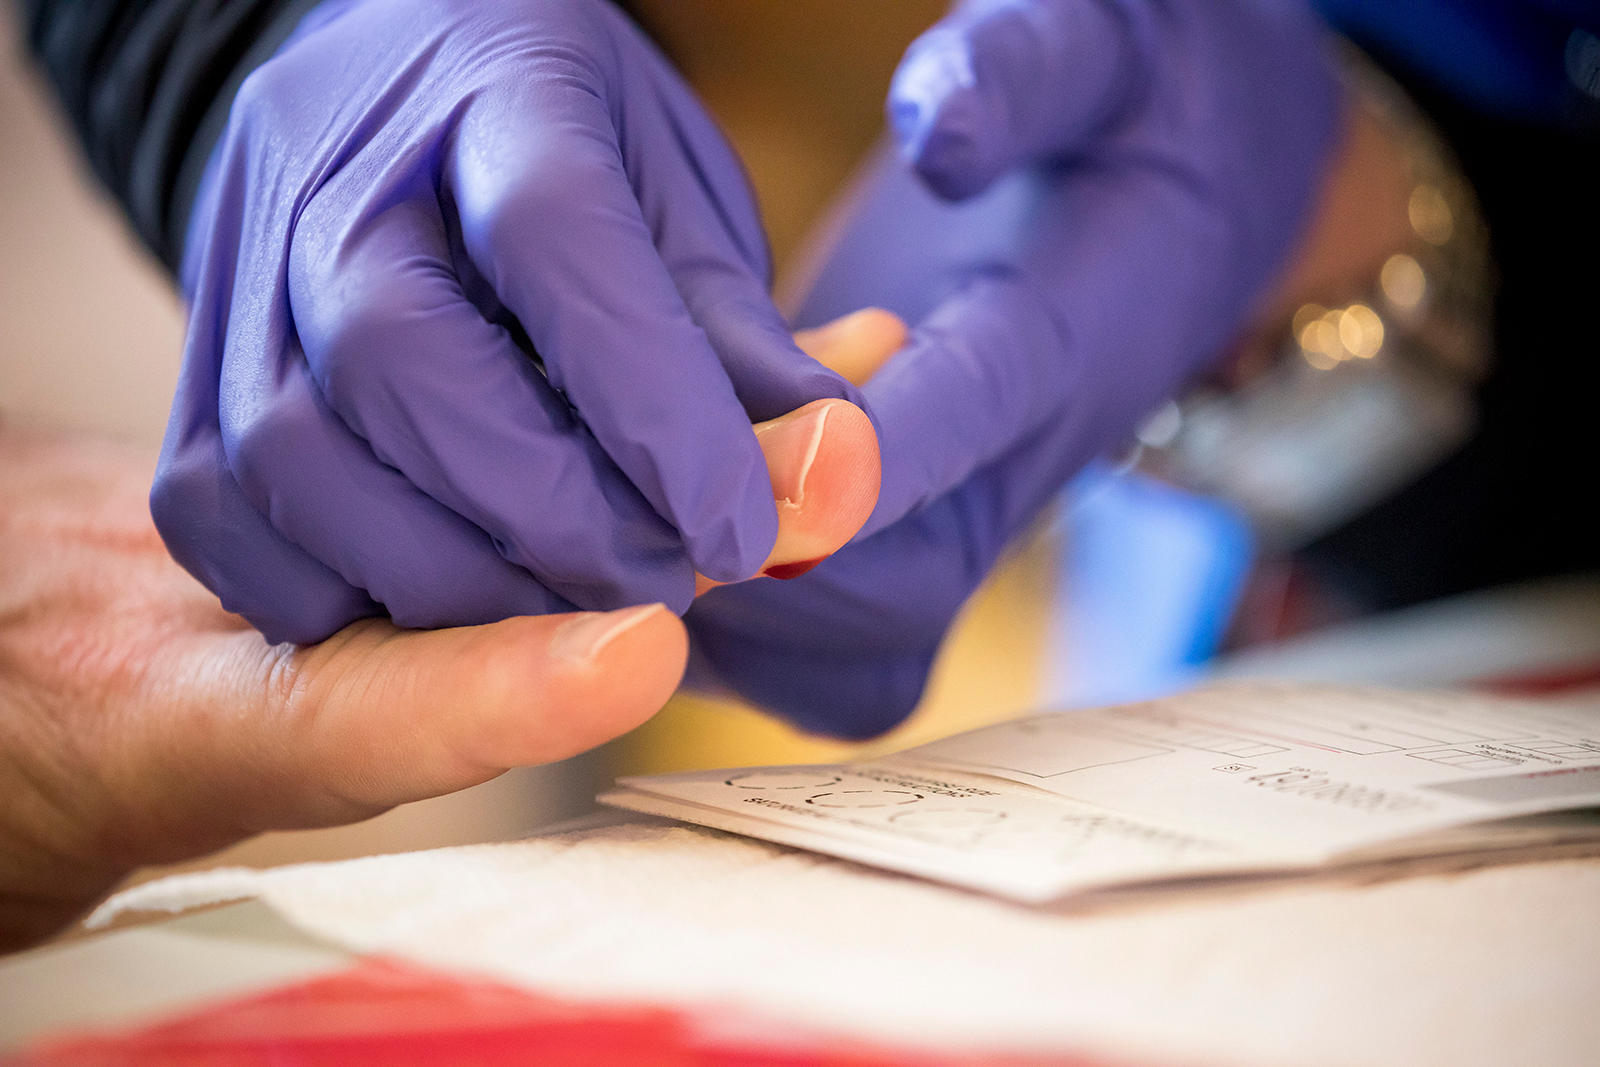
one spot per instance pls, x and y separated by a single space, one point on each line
1150 578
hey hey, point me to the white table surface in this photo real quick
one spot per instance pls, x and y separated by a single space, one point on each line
140 973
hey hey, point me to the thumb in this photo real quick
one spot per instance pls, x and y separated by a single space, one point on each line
382 715
996 85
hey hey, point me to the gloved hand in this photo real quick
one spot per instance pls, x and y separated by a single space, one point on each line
1159 161
410 199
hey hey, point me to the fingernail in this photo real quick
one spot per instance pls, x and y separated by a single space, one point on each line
581 638
790 444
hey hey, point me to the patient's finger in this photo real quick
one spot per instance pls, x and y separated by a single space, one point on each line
823 462
386 716
823 457
854 346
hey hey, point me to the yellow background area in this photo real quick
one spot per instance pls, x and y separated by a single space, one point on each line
798 88
989 669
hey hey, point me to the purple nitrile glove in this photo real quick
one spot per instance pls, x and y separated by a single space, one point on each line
412 197
1159 161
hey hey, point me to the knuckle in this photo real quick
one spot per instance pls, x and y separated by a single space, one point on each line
349 346
365 291
279 430
261 97
353 326
548 197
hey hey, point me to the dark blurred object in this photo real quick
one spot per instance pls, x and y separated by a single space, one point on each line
1527 60
148 86
1511 503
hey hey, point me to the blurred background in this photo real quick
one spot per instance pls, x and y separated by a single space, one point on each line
1442 418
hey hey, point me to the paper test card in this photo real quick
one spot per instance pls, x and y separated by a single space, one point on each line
1225 780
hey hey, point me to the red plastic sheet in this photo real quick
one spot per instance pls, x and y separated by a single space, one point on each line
1551 682
398 1015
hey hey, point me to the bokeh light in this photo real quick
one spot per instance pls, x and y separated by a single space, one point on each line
1319 341
1430 214
1304 317
1360 331
1329 337
1403 281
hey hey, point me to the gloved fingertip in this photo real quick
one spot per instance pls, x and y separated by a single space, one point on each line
1002 85
939 118
737 545
852 701
955 162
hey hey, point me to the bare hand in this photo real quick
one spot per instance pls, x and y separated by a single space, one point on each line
140 723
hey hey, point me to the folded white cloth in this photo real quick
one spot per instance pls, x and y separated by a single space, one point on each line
1494 966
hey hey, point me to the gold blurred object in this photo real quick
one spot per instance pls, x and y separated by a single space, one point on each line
1327 338
1403 282
1434 296
1360 331
1430 214
989 669
1319 340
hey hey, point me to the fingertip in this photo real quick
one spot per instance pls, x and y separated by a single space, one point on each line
879 330
826 471
856 345
603 673
849 469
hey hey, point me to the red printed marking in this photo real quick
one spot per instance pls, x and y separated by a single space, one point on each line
395 1014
